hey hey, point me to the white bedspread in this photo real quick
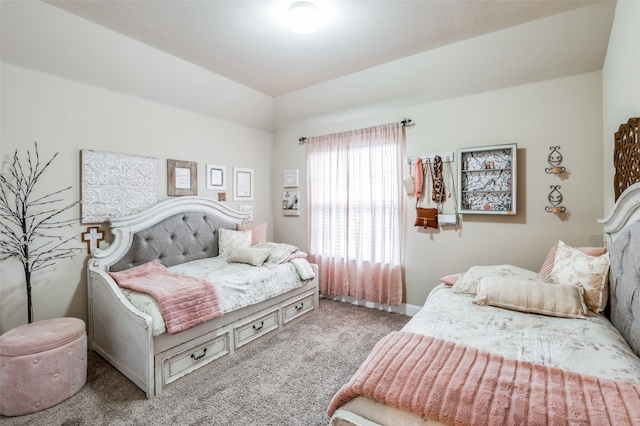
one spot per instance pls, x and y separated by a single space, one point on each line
589 346
238 284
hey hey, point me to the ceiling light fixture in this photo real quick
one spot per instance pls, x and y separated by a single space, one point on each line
303 17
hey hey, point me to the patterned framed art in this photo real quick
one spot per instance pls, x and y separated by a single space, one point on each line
116 185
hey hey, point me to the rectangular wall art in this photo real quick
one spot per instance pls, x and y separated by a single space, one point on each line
291 203
242 184
182 177
290 178
116 185
216 177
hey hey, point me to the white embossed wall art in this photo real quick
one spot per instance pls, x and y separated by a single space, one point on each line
116 185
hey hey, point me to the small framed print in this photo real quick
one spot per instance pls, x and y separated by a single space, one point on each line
242 184
216 177
182 177
290 178
291 203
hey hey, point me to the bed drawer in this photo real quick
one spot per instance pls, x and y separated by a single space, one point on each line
191 359
256 327
300 307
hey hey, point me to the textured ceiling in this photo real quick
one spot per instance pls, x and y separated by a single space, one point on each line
234 61
245 41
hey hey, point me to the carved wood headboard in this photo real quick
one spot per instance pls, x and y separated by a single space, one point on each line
626 156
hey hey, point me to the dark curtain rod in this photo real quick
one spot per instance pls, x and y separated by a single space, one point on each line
406 122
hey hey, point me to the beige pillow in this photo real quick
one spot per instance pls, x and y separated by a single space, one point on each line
468 282
248 255
547 265
229 240
572 267
564 301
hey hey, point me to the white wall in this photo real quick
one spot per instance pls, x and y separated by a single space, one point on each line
620 84
40 36
66 116
565 112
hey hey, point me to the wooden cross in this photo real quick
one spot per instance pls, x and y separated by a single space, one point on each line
92 237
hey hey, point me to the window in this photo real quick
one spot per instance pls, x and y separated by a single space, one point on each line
355 210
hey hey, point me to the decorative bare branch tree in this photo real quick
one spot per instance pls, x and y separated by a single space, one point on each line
29 227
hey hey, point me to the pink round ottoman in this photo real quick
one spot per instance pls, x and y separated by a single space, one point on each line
41 364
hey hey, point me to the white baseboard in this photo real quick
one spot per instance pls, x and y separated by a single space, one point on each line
403 309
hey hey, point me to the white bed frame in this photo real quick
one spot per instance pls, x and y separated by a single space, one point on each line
123 335
625 212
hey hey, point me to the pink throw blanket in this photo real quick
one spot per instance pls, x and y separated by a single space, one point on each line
184 301
461 385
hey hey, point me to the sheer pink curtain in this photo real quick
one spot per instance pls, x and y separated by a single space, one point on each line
355 212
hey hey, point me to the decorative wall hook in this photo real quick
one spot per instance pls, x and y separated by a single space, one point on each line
554 159
555 199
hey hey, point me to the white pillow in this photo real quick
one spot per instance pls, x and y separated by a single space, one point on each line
229 239
279 251
468 282
547 266
565 301
248 255
573 267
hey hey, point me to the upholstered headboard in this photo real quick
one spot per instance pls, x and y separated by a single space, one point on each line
180 238
174 231
622 233
624 285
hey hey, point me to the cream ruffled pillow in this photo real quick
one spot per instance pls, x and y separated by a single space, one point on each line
556 300
468 282
591 273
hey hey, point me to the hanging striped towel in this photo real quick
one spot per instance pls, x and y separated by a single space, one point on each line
418 181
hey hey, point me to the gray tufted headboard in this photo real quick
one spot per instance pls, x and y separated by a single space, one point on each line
177 239
624 284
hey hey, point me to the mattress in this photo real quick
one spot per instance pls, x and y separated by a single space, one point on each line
238 284
589 346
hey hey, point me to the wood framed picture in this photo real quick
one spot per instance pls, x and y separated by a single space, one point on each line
487 177
242 184
216 177
182 177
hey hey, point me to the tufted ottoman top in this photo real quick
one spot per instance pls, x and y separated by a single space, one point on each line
41 336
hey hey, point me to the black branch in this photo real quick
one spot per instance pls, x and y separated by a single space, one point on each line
29 225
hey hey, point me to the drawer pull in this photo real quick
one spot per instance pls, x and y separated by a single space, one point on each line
258 327
195 358
299 306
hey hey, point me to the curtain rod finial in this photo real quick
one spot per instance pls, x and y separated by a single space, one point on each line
406 122
302 141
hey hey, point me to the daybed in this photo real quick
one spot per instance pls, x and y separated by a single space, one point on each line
538 355
181 236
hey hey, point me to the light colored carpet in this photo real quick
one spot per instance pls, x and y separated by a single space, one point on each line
286 378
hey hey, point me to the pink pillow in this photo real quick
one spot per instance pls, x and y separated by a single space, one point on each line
258 232
295 255
451 279
547 266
